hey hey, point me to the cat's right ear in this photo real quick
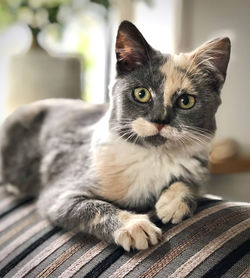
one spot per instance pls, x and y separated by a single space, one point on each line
132 50
213 55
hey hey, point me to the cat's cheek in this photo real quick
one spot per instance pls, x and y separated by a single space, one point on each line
175 203
170 132
136 232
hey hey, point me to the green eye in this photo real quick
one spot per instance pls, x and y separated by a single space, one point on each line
186 101
142 95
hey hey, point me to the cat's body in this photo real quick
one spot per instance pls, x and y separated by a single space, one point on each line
91 166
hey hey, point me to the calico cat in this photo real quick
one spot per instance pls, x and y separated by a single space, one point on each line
100 169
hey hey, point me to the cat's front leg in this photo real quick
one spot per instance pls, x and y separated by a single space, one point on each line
71 209
176 202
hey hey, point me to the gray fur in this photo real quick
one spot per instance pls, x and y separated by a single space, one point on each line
46 146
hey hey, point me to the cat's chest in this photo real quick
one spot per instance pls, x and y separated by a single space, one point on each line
132 175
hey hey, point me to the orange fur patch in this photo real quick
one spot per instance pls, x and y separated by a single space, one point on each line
176 80
112 176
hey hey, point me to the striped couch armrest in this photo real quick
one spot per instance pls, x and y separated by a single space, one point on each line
215 242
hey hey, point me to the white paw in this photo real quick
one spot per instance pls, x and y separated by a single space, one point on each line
172 205
174 210
137 232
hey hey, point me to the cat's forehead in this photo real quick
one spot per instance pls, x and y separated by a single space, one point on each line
175 70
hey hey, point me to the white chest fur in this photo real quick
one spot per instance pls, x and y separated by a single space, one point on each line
130 174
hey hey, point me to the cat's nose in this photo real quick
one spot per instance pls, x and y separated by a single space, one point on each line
159 126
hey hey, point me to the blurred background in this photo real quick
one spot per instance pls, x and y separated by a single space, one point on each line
65 48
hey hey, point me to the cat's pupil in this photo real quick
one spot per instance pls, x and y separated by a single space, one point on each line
142 93
185 100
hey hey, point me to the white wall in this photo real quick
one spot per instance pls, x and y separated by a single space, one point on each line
156 22
204 20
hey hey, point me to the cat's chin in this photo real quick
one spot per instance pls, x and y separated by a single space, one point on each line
155 140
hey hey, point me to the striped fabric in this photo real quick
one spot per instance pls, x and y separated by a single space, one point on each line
215 242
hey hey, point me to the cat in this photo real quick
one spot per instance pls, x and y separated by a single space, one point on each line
101 168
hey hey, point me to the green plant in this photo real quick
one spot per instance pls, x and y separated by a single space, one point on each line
37 14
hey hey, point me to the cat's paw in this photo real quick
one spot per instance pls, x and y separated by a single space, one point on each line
175 203
137 231
174 210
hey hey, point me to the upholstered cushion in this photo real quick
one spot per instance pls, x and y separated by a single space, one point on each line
214 242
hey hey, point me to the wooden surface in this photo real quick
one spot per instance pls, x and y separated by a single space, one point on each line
230 165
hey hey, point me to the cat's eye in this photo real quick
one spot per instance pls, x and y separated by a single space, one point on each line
186 101
142 95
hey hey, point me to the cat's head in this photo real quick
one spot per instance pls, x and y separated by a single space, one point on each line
167 100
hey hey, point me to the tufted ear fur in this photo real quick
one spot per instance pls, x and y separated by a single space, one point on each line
213 55
132 50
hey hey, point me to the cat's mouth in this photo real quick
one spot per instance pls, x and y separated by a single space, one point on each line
153 131
155 140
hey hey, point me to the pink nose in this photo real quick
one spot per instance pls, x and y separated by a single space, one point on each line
159 126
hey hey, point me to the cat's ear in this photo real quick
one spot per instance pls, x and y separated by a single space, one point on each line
214 55
132 50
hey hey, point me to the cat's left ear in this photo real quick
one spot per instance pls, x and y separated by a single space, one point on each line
213 55
132 50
